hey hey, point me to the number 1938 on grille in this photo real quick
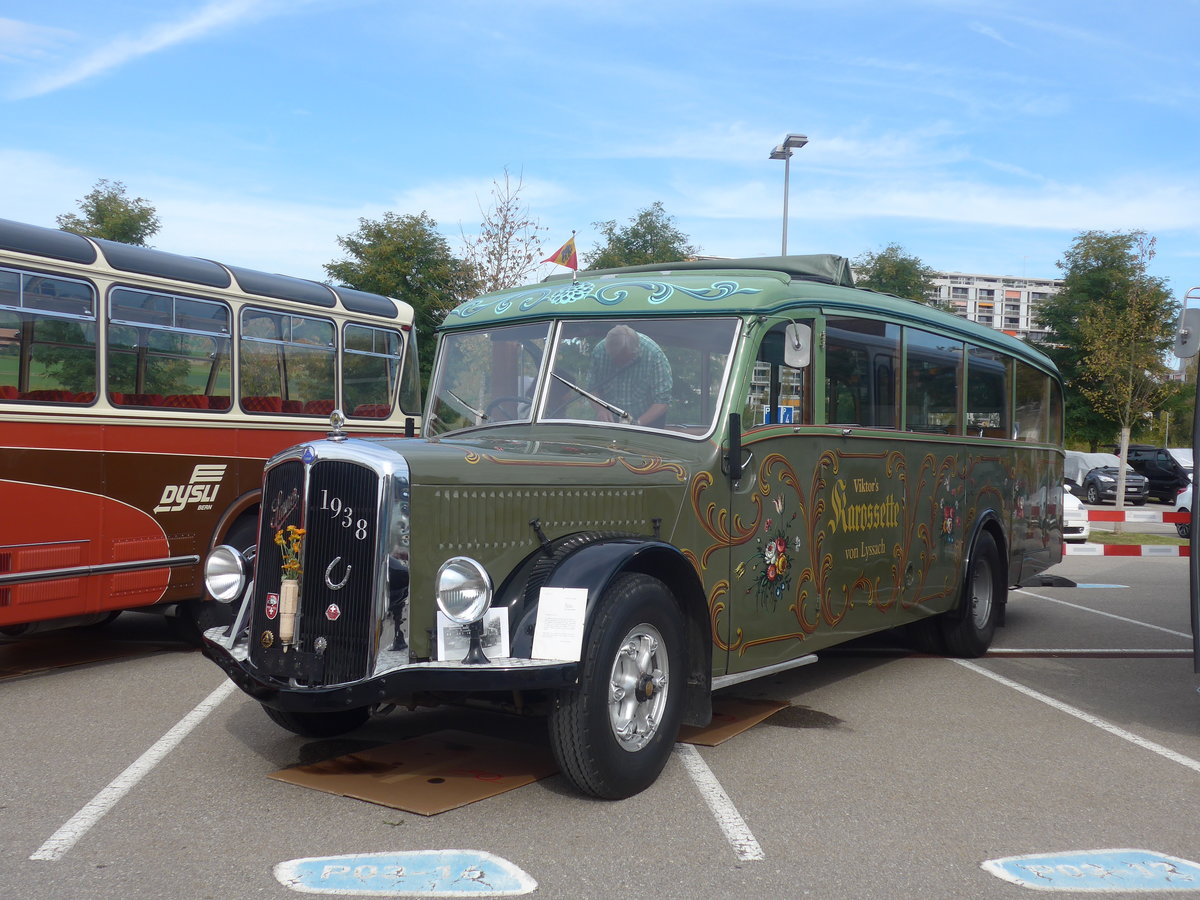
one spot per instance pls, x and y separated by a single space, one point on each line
647 484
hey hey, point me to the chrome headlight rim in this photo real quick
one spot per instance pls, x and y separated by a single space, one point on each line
225 574
463 590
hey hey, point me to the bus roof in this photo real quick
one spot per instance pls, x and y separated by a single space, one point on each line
757 286
69 247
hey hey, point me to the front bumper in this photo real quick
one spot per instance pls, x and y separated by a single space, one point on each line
501 674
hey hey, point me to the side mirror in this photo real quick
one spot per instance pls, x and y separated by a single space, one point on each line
797 346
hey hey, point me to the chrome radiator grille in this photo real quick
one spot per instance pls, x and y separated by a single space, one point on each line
335 630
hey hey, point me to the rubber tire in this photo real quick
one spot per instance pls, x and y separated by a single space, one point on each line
968 629
1183 528
1141 502
925 636
581 733
319 724
1093 495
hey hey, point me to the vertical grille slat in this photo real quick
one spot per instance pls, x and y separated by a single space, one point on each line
340 541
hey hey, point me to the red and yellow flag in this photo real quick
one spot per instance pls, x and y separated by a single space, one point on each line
565 255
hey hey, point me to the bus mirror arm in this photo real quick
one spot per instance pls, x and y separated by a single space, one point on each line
736 457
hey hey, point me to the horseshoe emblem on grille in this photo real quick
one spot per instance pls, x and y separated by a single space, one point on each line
329 582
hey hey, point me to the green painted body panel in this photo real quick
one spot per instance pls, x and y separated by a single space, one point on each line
833 532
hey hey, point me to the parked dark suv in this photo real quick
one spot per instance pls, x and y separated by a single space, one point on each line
1093 476
1162 470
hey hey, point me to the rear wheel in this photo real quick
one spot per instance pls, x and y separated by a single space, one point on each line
968 629
319 724
614 733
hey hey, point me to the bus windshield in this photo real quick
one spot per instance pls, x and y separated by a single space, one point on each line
642 373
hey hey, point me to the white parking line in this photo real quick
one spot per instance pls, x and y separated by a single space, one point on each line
80 823
1099 612
1165 752
727 816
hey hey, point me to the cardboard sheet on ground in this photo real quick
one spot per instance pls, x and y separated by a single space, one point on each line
430 774
731 716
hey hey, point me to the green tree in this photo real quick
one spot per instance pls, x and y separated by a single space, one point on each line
894 271
109 213
404 256
1112 324
650 237
507 248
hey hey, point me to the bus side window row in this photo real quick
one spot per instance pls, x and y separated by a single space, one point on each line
197 401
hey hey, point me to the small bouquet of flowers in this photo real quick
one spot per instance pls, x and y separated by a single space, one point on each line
291 547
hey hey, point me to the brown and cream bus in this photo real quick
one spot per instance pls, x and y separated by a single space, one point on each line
141 392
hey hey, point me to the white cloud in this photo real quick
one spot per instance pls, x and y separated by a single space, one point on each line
1116 205
213 16
989 32
21 41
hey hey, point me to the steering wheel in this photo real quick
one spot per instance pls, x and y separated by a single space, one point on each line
516 402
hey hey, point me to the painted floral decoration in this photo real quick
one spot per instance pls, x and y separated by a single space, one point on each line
290 546
772 560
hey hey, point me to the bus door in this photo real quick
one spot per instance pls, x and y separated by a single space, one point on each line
769 517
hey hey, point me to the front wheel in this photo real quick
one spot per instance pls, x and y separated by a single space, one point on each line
1093 495
1184 528
319 725
613 734
968 629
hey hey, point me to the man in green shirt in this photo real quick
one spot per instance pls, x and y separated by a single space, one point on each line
631 371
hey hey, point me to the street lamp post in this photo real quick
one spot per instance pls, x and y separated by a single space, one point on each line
784 152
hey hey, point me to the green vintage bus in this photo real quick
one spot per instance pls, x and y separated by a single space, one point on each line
644 484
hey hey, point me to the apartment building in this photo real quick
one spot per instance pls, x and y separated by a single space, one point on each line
1004 303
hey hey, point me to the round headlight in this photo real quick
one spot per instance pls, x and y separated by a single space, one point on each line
464 590
225 573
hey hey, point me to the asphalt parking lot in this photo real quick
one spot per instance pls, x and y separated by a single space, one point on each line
890 773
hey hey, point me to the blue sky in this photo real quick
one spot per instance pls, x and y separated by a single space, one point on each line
982 136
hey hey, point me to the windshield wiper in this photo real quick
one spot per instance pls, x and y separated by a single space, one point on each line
615 410
467 407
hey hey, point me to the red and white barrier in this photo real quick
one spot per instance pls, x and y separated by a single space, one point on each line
1173 550
1137 515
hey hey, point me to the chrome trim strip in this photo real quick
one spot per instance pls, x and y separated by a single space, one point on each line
723 681
168 562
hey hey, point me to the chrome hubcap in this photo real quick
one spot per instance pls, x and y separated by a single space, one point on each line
981 593
637 687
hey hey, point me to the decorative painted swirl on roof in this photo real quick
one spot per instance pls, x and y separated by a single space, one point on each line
607 296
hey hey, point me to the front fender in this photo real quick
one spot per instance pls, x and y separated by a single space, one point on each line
594 566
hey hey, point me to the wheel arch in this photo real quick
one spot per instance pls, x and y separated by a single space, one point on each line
245 505
594 564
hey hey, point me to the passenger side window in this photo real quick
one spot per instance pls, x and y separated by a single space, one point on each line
778 395
933 365
862 364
